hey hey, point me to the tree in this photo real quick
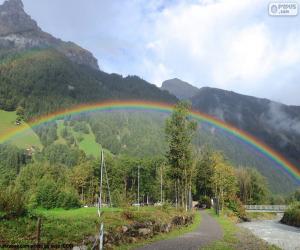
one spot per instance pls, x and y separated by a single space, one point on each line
223 180
179 133
20 113
204 173
253 187
81 177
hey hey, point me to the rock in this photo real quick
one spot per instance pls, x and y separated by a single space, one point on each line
144 231
165 228
108 246
124 229
18 31
83 247
90 239
132 240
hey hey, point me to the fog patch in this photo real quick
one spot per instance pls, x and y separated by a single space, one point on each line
280 120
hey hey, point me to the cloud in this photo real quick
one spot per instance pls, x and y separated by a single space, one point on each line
280 120
229 44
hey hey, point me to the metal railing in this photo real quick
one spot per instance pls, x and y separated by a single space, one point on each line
275 208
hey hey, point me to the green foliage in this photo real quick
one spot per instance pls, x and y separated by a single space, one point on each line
12 159
204 173
235 205
47 133
205 200
253 187
179 133
62 154
81 127
44 80
292 215
68 199
223 180
130 133
12 202
47 194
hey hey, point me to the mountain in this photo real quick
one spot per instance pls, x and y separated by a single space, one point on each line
182 90
275 124
41 73
18 32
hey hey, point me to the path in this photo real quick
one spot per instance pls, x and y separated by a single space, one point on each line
208 231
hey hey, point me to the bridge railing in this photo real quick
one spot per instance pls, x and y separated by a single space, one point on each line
266 207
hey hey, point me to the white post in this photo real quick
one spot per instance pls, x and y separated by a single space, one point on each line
161 186
138 187
101 237
106 176
101 177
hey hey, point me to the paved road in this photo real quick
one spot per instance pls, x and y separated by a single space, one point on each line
208 231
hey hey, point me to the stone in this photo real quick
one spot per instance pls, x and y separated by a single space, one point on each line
165 228
83 247
124 229
144 231
132 240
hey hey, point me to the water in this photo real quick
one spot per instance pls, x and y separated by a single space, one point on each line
283 236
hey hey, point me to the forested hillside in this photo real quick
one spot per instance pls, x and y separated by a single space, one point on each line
44 80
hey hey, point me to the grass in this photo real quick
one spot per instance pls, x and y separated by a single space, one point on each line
229 233
164 236
235 237
24 140
75 225
261 216
88 143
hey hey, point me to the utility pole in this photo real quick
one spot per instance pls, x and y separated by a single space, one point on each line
138 187
101 179
161 185
101 232
107 182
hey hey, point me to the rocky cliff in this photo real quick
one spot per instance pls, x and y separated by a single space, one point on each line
18 31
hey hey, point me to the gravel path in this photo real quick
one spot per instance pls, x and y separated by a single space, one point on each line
208 231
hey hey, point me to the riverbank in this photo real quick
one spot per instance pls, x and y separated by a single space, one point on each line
291 216
235 237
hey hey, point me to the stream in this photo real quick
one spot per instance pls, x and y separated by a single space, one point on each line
272 231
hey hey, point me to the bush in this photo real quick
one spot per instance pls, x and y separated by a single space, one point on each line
68 199
47 194
12 202
204 201
292 215
237 207
128 215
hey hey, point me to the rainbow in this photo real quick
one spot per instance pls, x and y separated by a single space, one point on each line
280 161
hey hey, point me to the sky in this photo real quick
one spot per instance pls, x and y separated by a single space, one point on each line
230 44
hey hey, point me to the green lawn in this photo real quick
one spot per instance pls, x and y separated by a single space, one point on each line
24 140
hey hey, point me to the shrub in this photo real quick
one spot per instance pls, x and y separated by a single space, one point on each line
68 199
47 194
237 207
204 201
12 202
128 215
292 215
